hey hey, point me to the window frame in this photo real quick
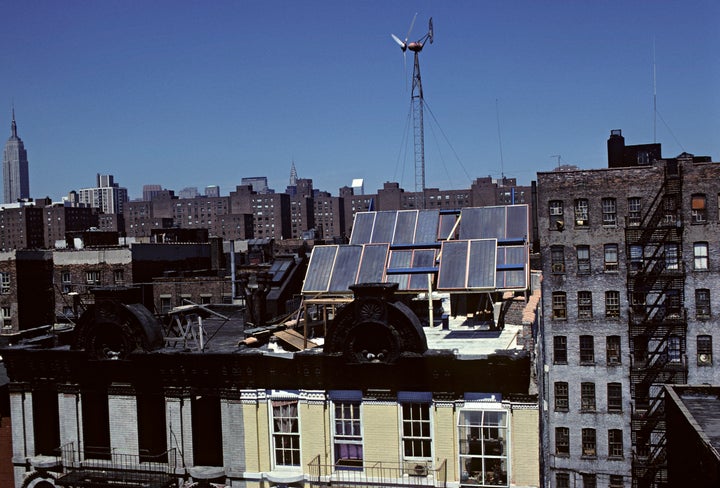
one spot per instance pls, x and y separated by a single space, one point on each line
702 303
584 305
4 283
583 263
616 449
613 351
587 349
614 397
559 305
589 442
698 208
582 212
562 441
351 423
704 350
609 212
612 304
560 349
587 396
285 445
634 211
610 265
557 259
700 256
412 431
562 396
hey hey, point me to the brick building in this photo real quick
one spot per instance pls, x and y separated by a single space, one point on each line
630 274
21 226
25 290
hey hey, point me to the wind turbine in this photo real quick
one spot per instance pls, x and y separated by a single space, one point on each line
417 102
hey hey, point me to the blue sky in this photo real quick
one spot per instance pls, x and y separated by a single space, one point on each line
183 93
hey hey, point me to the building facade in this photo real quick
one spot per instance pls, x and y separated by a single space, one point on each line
107 196
16 180
630 277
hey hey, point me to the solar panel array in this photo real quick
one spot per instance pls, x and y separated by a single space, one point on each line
476 249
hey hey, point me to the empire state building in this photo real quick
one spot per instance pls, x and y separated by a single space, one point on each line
16 183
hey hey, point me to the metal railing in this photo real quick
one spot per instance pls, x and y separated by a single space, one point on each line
377 474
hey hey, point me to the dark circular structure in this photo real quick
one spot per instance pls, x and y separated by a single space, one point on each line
375 327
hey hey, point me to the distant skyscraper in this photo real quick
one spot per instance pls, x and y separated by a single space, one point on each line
259 183
212 191
189 192
149 191
16 182
108 196
293 175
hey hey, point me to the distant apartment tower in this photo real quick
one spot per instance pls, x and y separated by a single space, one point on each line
149 191
358 186
16 182
189 192
107 196
259 183
212 191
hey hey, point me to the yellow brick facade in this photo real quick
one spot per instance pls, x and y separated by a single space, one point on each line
524 424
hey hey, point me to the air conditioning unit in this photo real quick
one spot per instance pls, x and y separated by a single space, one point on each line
580 222
417 469
704 358
558 268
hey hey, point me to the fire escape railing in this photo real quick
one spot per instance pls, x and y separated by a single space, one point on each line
657 325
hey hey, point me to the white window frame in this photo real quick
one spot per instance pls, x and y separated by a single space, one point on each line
479 432
4 282
412 437
355 437
700 256
286 398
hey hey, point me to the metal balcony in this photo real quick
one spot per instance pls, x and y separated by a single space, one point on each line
377 474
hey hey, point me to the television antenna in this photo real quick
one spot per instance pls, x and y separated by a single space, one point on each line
417 102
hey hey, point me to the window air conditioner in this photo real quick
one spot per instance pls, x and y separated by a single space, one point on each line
704 358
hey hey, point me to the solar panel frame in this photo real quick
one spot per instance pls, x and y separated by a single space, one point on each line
374 259
452 274
445 226
384 227
399 259
405 227
345 270
362 227
322 260
482 223
518 222
426 231
482 264
513 278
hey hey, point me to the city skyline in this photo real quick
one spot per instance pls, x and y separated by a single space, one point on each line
206 95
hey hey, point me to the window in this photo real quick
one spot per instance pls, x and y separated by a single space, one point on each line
165 304
615 443
702 303
609 211
483 446
581 212
4 283
614 397
416 438
583 259
92 277
66 282
7 317
704 350
584 305
589 480
562 400
636 257
348 437
587 397
671 256
556 215
613 349
118 276
560 349
207 429
589 443
670 209
634 216
612 304
562 480
698 209
562 441
559 305
674 349
285 432
587 349
700 255
557 258
611 257
616 481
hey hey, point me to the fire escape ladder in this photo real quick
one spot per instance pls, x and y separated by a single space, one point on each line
657 324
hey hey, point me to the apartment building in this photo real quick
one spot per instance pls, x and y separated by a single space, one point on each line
630 278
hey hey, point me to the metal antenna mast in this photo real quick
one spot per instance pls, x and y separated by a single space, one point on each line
417 101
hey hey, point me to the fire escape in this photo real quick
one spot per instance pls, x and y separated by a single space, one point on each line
657 323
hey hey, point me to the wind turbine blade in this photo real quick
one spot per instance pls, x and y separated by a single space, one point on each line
411 27
397 39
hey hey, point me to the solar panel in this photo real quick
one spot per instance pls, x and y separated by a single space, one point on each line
320 267
405 227
427 227
422 258
517 222
512 267
400 259
362 228
372 264
447 222
482 223
345 270
453 265
384 227
481 264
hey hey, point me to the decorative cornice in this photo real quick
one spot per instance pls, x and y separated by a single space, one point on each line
121 389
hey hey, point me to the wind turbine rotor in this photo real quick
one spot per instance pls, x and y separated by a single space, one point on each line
403 45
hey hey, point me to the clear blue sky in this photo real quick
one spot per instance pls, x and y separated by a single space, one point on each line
183 93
